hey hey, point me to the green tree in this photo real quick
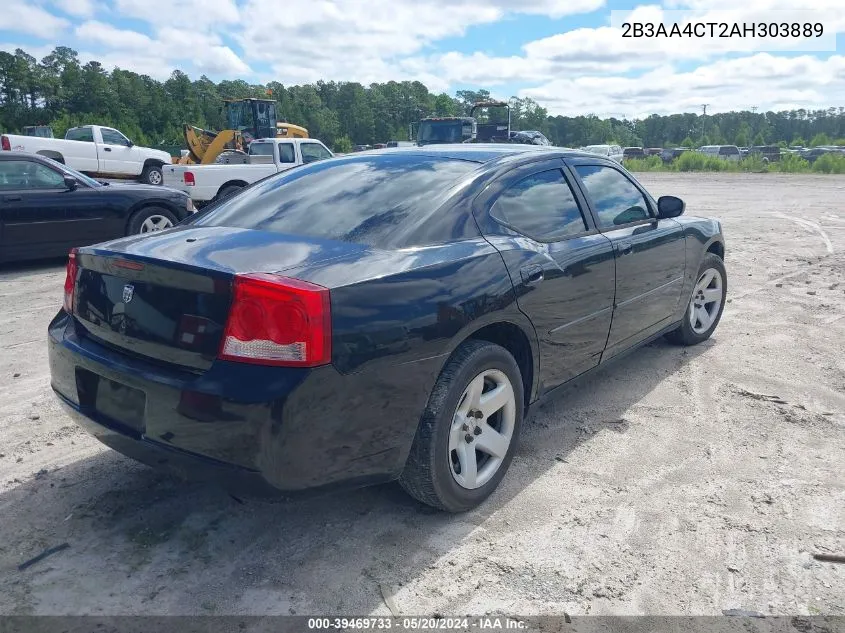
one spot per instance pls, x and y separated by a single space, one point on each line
343 145
820 139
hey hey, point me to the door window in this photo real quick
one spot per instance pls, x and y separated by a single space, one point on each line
24 174
616 199
313 151
541 206
286 154
113 137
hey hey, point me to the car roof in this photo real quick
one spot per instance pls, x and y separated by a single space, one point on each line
5 155
482 152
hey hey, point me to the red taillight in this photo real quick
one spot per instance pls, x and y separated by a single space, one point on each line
70 280
278 321
188 178
7 146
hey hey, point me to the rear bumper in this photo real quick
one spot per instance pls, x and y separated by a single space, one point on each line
255 430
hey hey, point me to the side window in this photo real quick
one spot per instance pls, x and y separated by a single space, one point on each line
113 137
615 198
286 154
24 174
313 152
80 134
261 149
541 206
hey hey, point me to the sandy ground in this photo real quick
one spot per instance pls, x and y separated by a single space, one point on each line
677 482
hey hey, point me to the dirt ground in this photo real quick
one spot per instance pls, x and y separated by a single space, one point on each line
676 482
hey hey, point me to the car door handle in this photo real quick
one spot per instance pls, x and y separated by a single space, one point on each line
531 275
12 198
625 247
107 149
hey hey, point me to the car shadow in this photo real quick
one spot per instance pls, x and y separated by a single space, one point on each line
142 542
14 269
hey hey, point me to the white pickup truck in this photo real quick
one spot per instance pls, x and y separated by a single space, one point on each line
267 156
97 151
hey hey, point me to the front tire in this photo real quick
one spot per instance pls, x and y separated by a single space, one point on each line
150 220
152 175
469 431
706 303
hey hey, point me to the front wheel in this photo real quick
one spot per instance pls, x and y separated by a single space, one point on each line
706 303
469 431
152 175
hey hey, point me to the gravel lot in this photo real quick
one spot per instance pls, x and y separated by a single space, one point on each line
676 482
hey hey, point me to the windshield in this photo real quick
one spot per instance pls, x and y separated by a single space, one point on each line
440 132
376 200
86 180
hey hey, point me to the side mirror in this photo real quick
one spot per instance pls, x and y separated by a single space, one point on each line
670 207
71 183
129 143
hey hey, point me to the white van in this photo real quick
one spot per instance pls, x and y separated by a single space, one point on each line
725 152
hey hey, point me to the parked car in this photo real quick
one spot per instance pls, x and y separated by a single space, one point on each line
532 137
97 151
267 156
613 152
768 153
725 152
380 316
400 144
46 208
633 152
670 154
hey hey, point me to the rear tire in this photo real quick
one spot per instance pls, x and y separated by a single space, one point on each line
444 469
150 220
152 175
706 303
229 190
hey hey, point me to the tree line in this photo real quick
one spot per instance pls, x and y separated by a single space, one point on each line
62 92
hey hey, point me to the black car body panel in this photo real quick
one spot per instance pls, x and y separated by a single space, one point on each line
48 222
398 311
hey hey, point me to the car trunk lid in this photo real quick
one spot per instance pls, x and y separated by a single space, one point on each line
166 297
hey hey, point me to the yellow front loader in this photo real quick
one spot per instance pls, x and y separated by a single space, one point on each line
247 119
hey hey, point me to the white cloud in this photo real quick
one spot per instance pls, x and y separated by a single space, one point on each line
190 15
29 18
371 40
763 80
82 8
170 45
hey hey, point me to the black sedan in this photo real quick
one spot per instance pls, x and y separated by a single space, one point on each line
377 317
46 208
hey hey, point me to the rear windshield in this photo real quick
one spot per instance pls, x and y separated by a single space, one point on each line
377 200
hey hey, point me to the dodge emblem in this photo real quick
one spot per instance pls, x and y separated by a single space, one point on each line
128 293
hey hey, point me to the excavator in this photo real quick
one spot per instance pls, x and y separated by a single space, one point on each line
246 120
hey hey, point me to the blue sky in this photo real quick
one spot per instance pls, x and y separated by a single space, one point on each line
562 53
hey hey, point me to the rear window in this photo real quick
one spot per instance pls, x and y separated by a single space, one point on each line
80 134
378 200
728 150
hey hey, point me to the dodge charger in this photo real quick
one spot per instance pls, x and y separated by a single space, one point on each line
375 317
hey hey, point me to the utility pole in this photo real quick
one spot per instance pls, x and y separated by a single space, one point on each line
754 109
704 109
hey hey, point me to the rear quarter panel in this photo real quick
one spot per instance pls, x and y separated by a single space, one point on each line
396 318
